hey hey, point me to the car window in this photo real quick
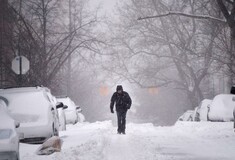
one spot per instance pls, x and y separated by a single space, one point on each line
5 133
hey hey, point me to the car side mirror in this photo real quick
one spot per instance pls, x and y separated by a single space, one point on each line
232 91
79 109
65 107
59 105
17 124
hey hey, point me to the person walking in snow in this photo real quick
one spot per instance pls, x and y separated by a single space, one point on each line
122 102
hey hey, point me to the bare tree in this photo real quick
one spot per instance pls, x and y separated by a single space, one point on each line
46 39
227 8
170 51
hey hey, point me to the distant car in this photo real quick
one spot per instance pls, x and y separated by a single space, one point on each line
221 108
9 140
204 109
81 117
71 111
187 116
33 108
78 108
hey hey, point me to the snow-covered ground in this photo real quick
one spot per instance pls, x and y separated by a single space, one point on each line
184 141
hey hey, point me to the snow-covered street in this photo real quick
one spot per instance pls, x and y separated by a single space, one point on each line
185 140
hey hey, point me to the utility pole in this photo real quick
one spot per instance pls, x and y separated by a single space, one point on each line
19 49
69 58
1 43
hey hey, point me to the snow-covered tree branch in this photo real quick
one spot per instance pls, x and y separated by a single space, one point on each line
184 15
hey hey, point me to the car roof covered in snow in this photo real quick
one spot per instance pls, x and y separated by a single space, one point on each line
24 89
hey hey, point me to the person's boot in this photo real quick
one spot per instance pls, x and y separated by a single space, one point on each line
123 132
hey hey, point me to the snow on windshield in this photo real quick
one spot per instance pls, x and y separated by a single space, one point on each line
5 133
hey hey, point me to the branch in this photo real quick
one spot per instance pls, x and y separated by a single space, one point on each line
184 15
229 1
223 9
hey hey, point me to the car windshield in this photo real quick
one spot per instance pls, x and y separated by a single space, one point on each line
5 133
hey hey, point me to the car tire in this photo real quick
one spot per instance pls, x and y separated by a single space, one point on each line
56 132
17 157
18 153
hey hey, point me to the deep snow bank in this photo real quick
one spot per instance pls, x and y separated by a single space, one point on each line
184 141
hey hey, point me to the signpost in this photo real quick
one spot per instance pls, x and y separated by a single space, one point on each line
20 65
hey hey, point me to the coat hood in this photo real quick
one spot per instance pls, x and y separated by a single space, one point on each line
119 87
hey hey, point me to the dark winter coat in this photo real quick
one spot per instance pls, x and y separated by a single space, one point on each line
122 101
232 91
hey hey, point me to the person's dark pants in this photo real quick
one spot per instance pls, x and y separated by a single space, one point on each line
121 117
234 120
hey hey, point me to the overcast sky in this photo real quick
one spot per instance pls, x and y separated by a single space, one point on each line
107 6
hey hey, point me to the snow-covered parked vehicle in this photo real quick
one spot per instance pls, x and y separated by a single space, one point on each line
203 109
9 140
62 118
221 108
33 108
81 117
61 113
71 112
187 116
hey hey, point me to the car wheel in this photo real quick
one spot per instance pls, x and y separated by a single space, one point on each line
56 132
17 157
18 153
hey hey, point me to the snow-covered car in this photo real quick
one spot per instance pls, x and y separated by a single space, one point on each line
203 109
62 118
78 108
59 106
221 108
9 140
70 112
187 116
32 107
81 117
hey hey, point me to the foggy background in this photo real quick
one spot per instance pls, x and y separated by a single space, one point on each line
168 65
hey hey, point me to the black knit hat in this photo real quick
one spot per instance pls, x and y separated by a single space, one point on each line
119 87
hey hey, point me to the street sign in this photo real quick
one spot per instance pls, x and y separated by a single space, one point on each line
20 65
